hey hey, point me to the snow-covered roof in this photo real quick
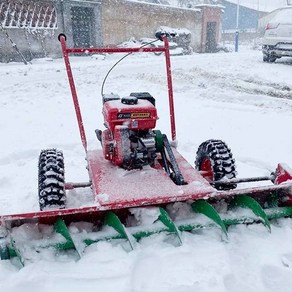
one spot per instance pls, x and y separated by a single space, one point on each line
209 5
172 4
176 31
28 14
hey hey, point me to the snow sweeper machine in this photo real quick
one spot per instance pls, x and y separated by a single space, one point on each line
139 170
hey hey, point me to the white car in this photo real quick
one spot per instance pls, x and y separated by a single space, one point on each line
277 41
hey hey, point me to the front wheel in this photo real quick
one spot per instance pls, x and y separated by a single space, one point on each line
215 162
51 180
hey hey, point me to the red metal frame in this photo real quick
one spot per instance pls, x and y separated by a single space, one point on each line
112 197
80 213
66 51
207 170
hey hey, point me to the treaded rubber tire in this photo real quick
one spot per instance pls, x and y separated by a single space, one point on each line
221 162
51 180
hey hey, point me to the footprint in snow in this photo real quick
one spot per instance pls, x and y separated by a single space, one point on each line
276 278
286 260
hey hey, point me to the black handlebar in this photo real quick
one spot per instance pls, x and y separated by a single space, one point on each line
62 35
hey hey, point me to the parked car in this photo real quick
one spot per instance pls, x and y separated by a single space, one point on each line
277 41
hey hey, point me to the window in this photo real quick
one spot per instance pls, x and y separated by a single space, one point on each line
28 14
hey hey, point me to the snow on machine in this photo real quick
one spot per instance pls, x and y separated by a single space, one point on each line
140 182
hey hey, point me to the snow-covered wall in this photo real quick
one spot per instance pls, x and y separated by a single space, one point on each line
34 30
32 26
97 23
125 19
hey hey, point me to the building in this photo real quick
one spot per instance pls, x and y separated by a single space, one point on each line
247 21
34 25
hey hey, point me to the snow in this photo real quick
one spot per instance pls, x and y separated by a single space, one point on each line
230 96
262 5
175 31
283 16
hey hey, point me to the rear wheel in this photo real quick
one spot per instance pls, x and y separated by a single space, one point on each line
51 179
215 161
269 58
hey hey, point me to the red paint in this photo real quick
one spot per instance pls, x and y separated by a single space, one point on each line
73 92
114 50
283 174
122 147
115 188
170 90
107 141
207 170
66 51
110 182
116 113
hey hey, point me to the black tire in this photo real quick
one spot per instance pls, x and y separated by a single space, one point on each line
215 155
269 58
51 190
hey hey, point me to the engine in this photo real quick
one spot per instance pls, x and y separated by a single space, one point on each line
129 140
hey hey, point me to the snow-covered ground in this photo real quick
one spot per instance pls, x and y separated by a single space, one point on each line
230 96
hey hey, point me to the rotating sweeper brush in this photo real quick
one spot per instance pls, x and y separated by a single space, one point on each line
139 181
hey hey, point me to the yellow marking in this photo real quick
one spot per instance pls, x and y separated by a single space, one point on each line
140 115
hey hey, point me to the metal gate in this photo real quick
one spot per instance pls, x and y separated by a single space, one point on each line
82 26
211 37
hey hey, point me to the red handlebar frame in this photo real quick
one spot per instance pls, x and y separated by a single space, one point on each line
66 51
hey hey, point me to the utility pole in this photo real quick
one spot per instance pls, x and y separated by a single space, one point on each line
237 29
258 8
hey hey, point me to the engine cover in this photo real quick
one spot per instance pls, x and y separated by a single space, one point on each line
136 116
129 140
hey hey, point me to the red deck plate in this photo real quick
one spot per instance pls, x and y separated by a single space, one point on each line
119 188
116 188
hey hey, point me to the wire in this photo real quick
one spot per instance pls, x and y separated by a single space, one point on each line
105 78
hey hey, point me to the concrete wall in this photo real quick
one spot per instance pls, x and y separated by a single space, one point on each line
33 43
124 19
114 21
43 42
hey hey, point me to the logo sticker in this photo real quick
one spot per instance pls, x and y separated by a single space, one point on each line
133 115
124 115
140 115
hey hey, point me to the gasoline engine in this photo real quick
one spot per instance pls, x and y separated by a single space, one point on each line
129 140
